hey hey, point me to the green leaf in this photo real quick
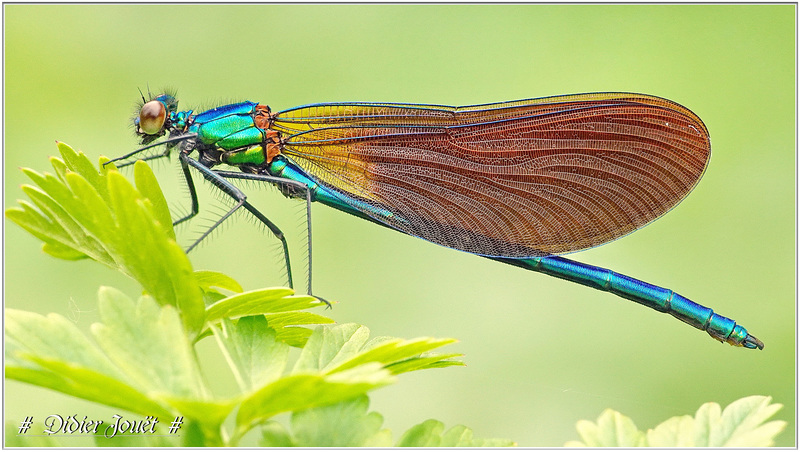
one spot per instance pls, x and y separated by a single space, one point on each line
612 430
51 337
148 186
458 436
253 351
281 307
431 434
283 319
206 415
425 361
294 336
330 345
88 208
349 424
51 352
274 434
149 345
426 434
146 365
54 237
344 424
285 324
55 199
155 260
341 347
381 439
741 424
461 436
62 229
60 168
88 384
303 391
85 212
77 162
62 252
677 431
209 279
193 435
261 301
389 352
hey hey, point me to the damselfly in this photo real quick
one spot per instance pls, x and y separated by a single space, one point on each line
518 182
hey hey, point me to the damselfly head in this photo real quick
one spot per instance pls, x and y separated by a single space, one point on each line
155 117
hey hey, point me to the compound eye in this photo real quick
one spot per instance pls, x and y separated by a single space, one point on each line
152 117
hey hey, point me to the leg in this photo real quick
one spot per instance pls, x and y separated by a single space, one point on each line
192 192
152 157
299 188
241 201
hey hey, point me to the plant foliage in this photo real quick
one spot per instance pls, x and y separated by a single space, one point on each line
141 356
741 424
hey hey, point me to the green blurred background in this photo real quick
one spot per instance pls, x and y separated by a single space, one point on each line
541 353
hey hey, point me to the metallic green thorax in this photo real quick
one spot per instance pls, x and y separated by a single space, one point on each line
253 155
232 128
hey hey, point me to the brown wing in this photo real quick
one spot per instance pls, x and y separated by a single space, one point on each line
515 179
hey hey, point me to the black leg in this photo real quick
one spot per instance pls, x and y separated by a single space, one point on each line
299 188
144 159
192 192
241 201
152 157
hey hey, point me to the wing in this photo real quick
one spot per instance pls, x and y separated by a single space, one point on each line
516 179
